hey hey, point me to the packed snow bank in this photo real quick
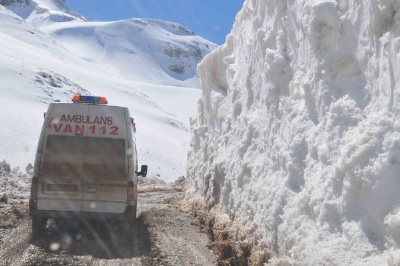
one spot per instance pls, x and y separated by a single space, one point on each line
14 184
297 138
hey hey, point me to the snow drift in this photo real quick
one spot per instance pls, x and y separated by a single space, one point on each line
297 137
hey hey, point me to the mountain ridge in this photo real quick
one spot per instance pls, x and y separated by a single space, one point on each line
172 49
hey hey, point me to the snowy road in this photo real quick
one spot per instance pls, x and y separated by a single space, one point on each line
165 236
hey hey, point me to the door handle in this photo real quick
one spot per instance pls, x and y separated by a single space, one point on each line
91 189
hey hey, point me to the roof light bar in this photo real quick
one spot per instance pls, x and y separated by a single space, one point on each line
89 99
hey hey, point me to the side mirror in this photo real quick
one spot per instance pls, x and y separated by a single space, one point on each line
143 171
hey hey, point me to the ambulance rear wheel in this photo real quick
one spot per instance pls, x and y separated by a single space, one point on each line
38 227
130 231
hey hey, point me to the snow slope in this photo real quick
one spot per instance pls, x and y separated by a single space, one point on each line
297 139
44 58
145 51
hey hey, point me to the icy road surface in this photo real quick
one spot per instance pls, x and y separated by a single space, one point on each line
165 236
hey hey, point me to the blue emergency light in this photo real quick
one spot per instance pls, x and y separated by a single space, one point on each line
89 99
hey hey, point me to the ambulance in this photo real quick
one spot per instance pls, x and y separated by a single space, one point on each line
86 164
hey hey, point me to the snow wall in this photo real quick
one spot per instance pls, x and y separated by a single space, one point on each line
297 139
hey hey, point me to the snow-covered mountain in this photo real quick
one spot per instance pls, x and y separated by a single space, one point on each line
42 11
48 53
297 140
146 50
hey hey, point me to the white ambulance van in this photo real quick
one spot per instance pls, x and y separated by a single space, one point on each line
86 164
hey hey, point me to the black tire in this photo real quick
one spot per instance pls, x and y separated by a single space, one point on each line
129 225
38 227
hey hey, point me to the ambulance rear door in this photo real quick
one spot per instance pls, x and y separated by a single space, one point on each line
105 162
61 169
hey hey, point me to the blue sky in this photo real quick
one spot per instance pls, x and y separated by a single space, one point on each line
211 19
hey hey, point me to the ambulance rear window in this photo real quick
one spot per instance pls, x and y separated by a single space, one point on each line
69 156
64 156
105 158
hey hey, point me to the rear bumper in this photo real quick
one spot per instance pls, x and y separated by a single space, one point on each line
128 214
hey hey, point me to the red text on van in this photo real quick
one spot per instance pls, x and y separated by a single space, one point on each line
86 119
89 127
